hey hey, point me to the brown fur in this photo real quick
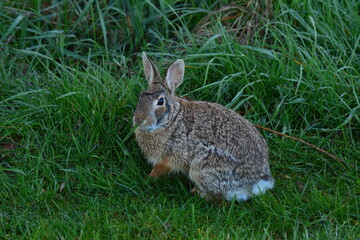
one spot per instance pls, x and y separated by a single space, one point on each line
162 167
217 148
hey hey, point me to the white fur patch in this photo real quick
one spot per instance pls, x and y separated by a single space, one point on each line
242 194
261 186
239 195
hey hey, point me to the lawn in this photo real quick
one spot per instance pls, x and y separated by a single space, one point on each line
70 77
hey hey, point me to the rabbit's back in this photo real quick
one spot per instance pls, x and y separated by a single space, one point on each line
211 126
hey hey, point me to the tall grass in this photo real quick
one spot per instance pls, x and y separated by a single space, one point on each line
69 81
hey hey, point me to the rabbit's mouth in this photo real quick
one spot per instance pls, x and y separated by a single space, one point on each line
150 128
146 127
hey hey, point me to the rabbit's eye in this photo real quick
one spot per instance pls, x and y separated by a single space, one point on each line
160 102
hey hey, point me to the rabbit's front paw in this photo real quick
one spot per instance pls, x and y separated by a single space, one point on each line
160 168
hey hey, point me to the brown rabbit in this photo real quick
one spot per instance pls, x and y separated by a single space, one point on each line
221 152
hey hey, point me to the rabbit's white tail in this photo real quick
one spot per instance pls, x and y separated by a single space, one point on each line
242 194
261 186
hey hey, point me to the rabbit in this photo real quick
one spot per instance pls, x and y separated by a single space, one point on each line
221 152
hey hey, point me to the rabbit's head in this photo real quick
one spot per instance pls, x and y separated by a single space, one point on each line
156 105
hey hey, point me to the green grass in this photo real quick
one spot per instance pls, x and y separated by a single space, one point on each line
70 75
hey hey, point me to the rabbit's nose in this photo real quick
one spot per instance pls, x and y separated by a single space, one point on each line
138 119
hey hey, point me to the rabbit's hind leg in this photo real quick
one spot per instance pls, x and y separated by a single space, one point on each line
211 182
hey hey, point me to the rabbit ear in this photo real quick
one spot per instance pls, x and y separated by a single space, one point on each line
151 71
175 75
